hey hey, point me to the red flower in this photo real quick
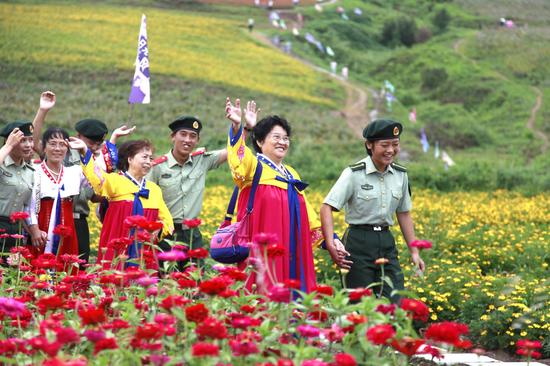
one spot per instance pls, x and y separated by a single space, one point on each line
211 328
20 215
528 348
119 244
275 250
192 223
324 290
356 318
278 293
62 230
105 343
67 335
215 285
381 334
344 359
446 332
381 261
49 303
148 331
417 309
173 300
203 349
290 283
357 293
386 309
420 244
265 238
151 226
407 345
92 315
199 253
135 221
196 313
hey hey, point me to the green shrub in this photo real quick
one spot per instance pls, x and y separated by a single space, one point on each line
441 20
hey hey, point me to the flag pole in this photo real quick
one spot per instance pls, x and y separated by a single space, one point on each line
130 113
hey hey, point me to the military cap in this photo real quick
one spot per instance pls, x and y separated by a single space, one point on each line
187 123
23 126
92 128
382 129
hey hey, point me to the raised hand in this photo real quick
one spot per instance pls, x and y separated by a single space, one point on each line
77 144
15 137
233 112
121 131
251 114
47 100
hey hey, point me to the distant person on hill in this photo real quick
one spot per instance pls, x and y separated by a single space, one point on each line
250 24
371 191
280 206
181 175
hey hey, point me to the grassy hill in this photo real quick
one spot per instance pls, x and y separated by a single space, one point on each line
474 84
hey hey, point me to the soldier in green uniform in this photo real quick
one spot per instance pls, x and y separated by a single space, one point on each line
181 174
16 177
370 192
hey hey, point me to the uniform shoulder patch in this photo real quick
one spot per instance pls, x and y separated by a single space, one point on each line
159 160
358 166
199 151
401 168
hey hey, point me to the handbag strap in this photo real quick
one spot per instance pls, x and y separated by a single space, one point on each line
233 200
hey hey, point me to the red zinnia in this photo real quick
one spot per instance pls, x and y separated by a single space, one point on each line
105 343
381 334
92 315
324 290
196 313
134 221
192 223
528 348
265 238
215 285
199 253
446 332
407 345
357 293
151 226
203 349
275 250
344 359
416 308
19 215
62 230
420 244
211 328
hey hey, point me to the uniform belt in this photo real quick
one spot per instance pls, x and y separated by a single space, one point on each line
78 215
370 227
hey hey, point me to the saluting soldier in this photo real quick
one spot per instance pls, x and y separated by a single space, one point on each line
370 192
181 175
16 176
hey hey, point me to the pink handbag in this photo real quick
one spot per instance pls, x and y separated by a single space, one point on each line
230 243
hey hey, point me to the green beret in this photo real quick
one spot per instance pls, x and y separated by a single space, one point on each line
23 126
382 129
93 129
187 123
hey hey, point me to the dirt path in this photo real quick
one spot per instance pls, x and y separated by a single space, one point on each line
355 109
538 102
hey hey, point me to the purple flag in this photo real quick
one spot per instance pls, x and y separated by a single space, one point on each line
140 92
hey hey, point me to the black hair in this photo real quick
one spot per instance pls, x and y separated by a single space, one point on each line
53 132
129 149
264 127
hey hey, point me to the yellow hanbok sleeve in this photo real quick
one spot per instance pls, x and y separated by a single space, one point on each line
241 160
103 183
164 213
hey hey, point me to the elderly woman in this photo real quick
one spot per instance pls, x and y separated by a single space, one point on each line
55 186
280 206
129 194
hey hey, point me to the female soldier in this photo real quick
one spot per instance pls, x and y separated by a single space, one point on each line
371 191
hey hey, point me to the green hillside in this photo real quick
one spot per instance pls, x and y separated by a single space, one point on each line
473 83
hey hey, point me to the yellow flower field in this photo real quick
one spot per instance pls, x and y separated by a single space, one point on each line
181 44
488 266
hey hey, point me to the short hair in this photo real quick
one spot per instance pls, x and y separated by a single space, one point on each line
264 127
129 149
51 133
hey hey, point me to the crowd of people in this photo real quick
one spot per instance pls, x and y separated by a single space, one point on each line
128 182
